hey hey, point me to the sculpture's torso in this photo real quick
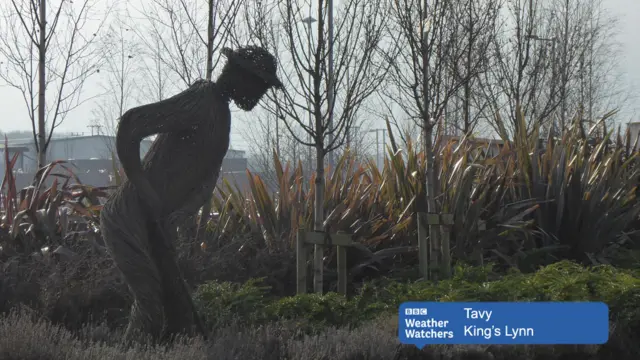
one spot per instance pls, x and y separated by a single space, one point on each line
181 166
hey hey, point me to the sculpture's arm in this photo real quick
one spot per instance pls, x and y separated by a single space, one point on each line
178 113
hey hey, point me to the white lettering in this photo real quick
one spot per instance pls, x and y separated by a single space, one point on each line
428 334
429 323
518 332
472 330
478 314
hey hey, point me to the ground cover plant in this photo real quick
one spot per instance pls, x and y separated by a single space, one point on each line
251 324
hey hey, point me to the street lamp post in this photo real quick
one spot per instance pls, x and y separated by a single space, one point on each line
352 140
377 149
378 143
308 21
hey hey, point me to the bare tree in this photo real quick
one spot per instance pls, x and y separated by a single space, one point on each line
404 126
359 139
441 54
589 85
155 82
49 54
265 137
475 27
522 75
119 75
545 59
186 35
267 133
444 54
359 29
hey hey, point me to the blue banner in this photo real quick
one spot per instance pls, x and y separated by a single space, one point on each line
506 323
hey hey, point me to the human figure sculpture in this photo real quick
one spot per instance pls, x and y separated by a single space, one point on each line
175 178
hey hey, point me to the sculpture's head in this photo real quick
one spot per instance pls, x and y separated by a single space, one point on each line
249 72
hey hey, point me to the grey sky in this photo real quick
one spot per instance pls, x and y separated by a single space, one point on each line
628 13
14 116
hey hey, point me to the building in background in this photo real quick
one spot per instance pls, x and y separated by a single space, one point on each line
92 161
491 147
12 151
634 130
70 148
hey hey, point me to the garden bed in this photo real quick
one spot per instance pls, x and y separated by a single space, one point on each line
249 323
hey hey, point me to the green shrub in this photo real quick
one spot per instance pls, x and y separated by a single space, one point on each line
325 310
223 303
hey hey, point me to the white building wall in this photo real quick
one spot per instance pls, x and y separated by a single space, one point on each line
634 129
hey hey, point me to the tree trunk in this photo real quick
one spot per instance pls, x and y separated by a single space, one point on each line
330 82
434 234
210 41
318 214
430 189
206 209
565 70
42 52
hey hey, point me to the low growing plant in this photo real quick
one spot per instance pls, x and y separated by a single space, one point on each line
563 281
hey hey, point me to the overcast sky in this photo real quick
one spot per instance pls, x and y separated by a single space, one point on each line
14 117
628 13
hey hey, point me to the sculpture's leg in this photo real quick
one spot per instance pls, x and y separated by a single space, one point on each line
180 311
124 228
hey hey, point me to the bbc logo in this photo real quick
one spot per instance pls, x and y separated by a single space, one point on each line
415 311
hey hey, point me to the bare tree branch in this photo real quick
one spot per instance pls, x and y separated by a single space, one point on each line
176 32
68 53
